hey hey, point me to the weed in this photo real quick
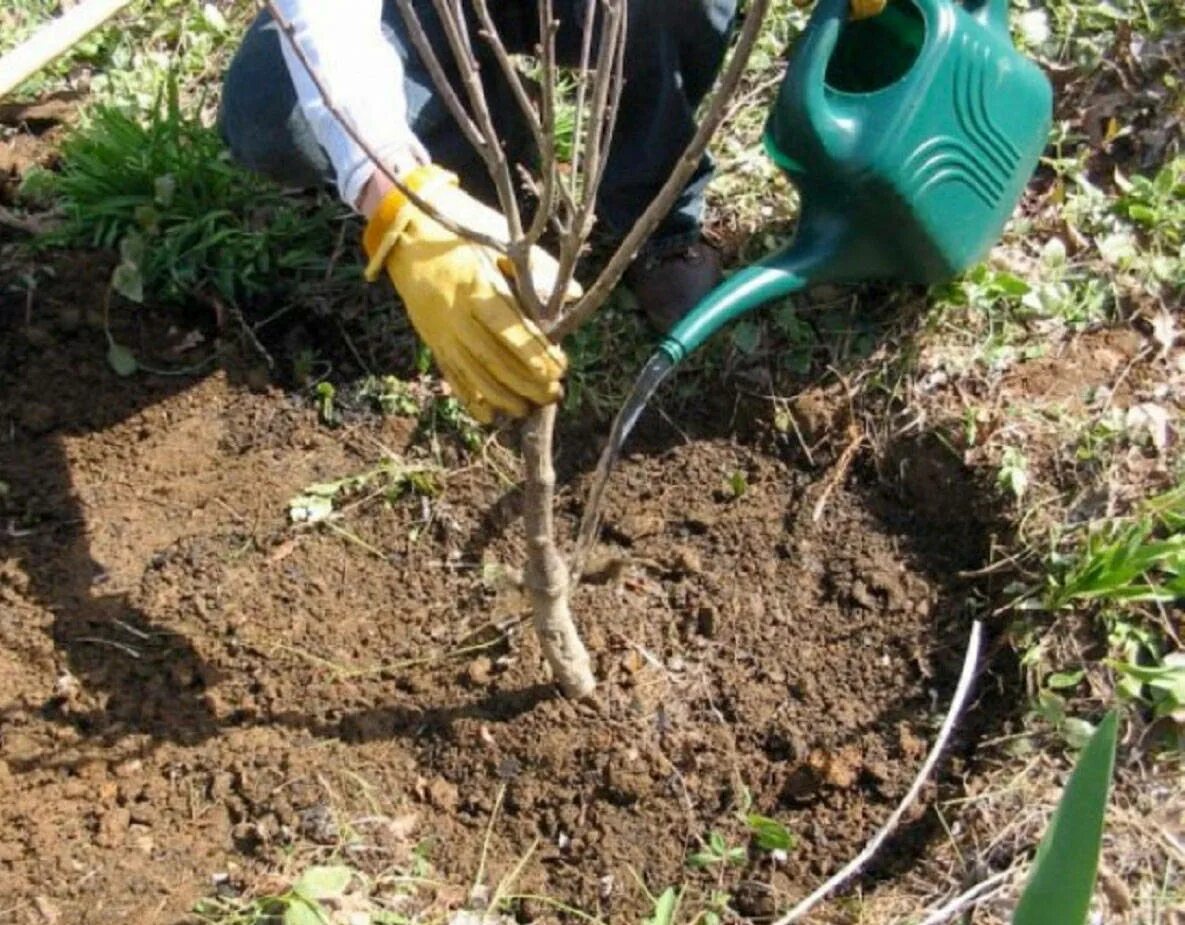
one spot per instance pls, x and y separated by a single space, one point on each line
323 395
665 907
737 484
716 852
1013 476
308 902
770 835
390 479
1141 559
187 221
390 395
445 413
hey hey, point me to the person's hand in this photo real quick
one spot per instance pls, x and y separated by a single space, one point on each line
866 9
460 295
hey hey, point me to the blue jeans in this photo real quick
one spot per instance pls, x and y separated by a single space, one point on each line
673 53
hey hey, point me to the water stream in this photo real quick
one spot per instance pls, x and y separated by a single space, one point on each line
653 374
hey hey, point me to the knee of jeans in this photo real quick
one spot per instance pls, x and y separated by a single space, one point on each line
719 13
259 118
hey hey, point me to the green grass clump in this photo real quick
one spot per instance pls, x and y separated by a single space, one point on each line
187 220
1141 560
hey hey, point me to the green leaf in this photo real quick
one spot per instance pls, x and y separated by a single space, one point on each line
122 360
747 337
301 912
736 855
664 908
769 834
128 282
1064 679
324 882
1064 870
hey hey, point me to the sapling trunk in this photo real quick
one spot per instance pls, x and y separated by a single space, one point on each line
566 204
547 576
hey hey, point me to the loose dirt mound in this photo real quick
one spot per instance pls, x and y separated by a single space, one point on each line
188 683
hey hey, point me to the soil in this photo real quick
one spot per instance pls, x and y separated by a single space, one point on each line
189 683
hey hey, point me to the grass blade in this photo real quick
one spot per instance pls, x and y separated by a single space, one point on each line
1063 876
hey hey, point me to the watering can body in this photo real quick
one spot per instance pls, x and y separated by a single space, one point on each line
910 135
923 125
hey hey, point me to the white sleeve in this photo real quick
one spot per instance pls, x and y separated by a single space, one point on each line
363 75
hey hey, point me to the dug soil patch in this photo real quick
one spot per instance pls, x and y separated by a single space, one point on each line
189 684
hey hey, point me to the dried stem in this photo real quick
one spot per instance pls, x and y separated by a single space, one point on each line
546 574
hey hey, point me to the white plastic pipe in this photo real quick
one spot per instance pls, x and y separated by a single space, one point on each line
53 39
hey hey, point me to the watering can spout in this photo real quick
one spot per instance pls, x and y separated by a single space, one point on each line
803 263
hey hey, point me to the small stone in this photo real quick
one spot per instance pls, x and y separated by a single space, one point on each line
480 670
443 795
687 561
113 827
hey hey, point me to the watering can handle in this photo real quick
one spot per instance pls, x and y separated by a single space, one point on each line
993 14
808 67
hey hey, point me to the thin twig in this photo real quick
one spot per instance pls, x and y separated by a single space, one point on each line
491 149
985 889
427 208
835 479
606 97
854 866
596 295
427 53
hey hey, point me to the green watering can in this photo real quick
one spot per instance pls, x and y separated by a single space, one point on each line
910 136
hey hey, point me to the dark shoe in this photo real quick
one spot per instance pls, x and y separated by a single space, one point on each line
669 283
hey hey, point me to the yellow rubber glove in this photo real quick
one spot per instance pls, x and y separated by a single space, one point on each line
460 297
866 9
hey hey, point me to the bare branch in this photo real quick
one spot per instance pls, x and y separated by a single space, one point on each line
685 168
548 161
431 60
290 36
457 32
854 866
601 118
542 126
586 37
